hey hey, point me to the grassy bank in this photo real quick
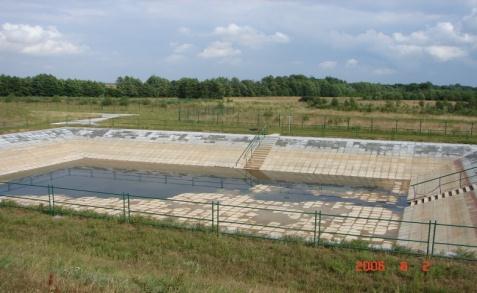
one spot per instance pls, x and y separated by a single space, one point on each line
71 253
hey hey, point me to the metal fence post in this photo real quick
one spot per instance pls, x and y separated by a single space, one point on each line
49 198
213 212
440 187
319 227
218 218
428 237
433 238
124 206
53 200
129 208
314 231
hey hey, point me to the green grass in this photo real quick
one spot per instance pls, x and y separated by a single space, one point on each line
243 115
79 254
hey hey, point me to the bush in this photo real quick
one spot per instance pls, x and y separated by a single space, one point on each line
145 101
9 98
335 103
31 99
268 114
106 101
83 102
124 101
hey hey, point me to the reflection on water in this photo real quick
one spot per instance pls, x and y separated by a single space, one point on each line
160 184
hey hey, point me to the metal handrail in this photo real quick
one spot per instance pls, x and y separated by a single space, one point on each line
442 176
255 143
440 184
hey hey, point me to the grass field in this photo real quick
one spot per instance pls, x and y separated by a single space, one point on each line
42 253
284 115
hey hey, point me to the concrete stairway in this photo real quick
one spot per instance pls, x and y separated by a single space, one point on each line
261 152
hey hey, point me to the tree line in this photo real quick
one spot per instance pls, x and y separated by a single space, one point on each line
46 85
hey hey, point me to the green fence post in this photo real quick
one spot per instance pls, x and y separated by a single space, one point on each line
420 126
319 227
218 218
428 237
471 128
129 209
49 198
445 128
53 200
124 206
433 237
314 232
213 212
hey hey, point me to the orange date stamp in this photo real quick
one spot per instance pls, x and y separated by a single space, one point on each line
380 266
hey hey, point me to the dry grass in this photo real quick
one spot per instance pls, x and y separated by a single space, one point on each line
240 114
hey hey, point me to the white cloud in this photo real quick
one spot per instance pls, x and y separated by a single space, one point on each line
327 65
35 40
446 53
443 42
179 52
181 48
351 62
248 36
219 49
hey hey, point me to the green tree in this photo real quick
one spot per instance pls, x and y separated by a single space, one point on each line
45 85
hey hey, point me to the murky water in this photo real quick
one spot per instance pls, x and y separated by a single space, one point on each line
162 184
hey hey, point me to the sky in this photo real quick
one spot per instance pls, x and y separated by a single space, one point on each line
388 41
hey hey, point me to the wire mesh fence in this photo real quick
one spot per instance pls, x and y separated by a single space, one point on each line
231 118
314 227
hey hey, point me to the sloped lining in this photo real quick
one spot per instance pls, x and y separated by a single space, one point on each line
442 195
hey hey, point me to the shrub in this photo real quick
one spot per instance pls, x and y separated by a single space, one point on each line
145 101
9 98
83 101
124 101
106 101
